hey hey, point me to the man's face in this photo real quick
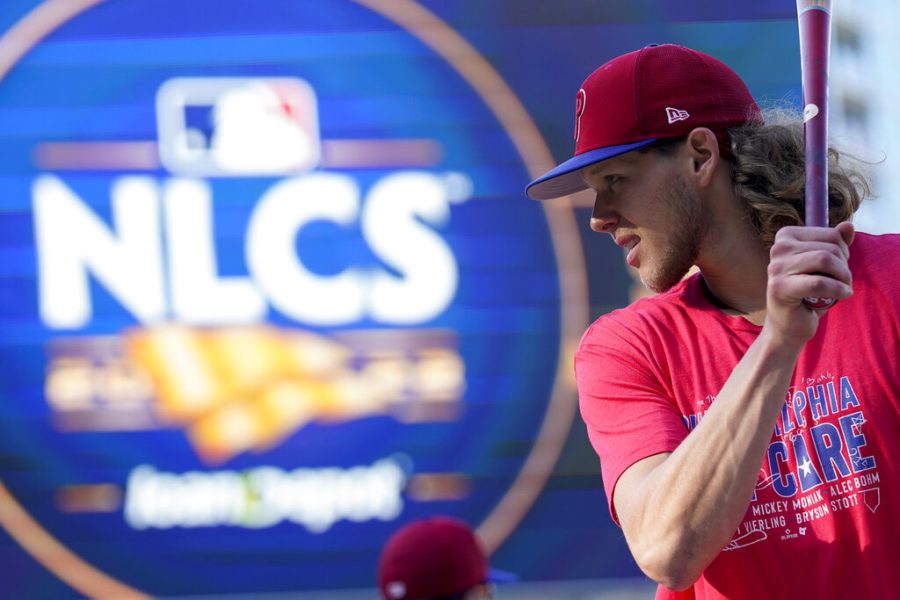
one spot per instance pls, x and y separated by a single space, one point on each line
645 203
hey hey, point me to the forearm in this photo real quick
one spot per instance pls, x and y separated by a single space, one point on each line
686 509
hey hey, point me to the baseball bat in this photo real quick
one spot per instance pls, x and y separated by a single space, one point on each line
814 19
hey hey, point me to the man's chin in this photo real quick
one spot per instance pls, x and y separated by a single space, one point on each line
660 284
658 289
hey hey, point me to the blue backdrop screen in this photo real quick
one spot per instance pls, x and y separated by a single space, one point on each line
269 286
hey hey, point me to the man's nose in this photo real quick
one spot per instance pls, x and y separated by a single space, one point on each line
602 217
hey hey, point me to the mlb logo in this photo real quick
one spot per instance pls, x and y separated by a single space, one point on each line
237 127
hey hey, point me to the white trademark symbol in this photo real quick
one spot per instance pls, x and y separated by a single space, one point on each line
458 186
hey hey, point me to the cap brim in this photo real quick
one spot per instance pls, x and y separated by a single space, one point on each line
566 178
498 576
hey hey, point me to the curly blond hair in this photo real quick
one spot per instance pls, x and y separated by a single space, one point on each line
768 174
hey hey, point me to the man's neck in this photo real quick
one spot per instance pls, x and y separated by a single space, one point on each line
735 278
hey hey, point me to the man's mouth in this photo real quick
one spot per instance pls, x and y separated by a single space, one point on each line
630 243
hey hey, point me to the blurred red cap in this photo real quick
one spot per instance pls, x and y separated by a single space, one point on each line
435 557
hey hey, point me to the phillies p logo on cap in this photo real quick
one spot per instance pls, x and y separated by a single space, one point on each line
580 102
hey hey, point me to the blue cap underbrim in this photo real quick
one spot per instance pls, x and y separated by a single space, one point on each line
566 178
498 576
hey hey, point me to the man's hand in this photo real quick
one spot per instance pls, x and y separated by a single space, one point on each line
806 261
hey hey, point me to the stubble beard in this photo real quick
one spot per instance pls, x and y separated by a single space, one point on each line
689 226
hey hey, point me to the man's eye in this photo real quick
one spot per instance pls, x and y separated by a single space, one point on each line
611 180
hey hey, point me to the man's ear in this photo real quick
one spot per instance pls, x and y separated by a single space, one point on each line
703 151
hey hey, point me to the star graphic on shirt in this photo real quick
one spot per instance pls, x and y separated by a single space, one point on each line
806 467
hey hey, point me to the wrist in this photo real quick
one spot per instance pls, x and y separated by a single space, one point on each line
779 346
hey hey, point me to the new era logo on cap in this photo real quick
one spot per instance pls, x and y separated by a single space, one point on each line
676 114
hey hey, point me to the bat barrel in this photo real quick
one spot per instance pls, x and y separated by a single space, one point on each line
815 40
814 17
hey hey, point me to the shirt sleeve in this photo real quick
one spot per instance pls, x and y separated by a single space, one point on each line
624 399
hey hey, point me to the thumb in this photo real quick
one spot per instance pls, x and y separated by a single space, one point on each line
847 231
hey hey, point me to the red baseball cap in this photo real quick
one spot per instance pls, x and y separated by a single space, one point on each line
432 558
660 91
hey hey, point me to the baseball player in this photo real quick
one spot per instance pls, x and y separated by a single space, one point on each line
748 443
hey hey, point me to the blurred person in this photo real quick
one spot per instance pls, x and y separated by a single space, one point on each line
748 442
438 558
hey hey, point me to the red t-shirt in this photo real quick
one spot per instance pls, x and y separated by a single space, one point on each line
823 522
